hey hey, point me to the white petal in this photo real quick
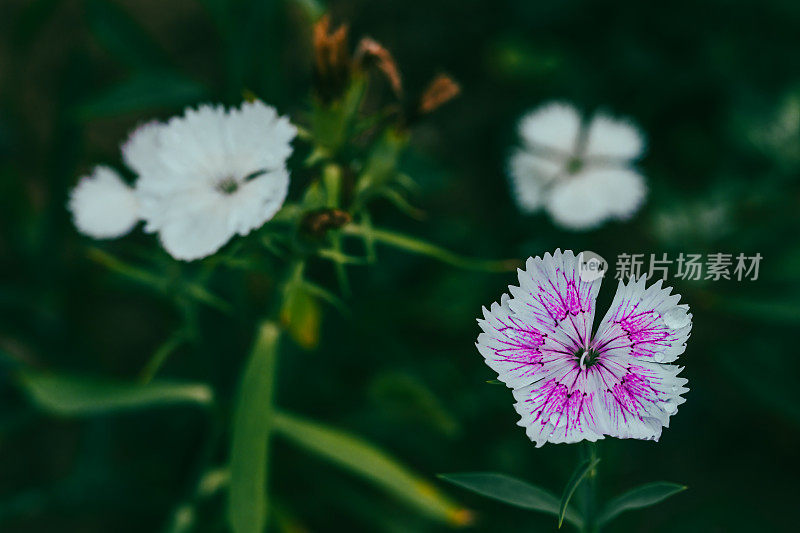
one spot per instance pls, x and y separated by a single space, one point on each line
530 175
103 206
554 125
577 203
612 138
258 199
588 199
195 224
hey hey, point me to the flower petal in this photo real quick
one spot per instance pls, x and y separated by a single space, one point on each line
586 200
554 299
258 199
517 351
555 125
646 324
530 174
194 224
636 398
613 138
103 206
561 406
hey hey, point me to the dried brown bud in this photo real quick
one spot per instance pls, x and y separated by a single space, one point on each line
320 221
369 49
440 90
331 56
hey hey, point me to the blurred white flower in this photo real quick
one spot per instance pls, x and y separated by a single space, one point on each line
210 174
103 206
582 175
202 178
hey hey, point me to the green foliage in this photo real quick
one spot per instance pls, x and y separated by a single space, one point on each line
372 464
583 469
639 498
253 419
515 492
71 395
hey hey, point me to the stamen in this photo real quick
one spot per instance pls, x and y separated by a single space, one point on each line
228 186
582 361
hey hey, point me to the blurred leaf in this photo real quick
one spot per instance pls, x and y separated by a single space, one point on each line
512 491
581 472
144 91
408 396
640 497
69 395
418 246
367 461
122 36
252 423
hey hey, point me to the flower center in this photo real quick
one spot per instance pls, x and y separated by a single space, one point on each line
586 357
228 185
574 165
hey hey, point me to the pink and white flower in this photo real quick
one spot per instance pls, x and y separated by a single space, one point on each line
581 173
570 385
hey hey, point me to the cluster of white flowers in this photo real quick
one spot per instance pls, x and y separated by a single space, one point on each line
580 173
202 178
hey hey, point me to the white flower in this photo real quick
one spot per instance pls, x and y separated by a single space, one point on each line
572 385
103 206
210 174
581 175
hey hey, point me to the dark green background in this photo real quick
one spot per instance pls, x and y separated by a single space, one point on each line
716 87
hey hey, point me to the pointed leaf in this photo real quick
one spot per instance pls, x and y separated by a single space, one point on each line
418 246
252 423
581 472
512 491
372 464
640 497
66 395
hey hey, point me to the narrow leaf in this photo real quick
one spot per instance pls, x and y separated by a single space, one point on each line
643 496
512 491
372 464
417 246
252 422
66 395
583 469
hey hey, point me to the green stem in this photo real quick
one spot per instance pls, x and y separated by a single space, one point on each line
589 492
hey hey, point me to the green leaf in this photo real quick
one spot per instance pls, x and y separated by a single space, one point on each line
640 497
512 491
418 246
122 36
70 395
143 92
377 467
252 423
581 472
